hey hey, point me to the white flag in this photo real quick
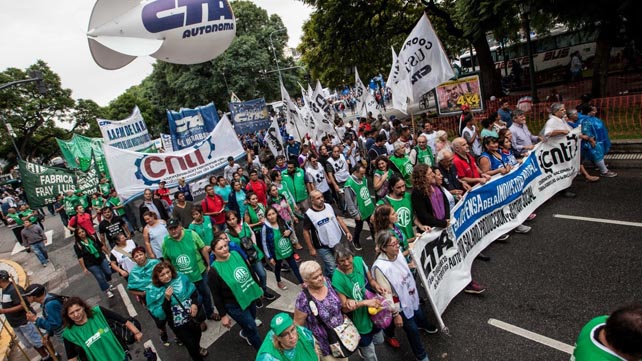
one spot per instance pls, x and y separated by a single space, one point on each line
399 84
370 106
306 113
361 92
292 116
274 140
235 99
424 59
321 111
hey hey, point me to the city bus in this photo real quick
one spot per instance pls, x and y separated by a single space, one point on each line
551 55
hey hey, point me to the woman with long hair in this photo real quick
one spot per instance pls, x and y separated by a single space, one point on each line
385 219
174 298
381 176
91 256
236 201
154 234
491 161
281 204
82 323
277 246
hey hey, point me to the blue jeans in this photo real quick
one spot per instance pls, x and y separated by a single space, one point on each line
367 344
260 273
206 295
245 319
102 274
293 266
327 257
40 251
412 332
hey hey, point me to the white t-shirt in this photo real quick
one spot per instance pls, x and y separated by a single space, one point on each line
317 177
555 123
476 147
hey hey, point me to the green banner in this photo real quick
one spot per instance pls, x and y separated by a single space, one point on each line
77 152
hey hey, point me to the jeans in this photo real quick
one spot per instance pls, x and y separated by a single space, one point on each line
327 257
410 326
102 274
367 344
293 266
206 295
40 251
245 319
259 270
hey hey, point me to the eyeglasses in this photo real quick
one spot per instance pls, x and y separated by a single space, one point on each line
393 244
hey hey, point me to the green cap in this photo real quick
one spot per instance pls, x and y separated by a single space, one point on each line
280 323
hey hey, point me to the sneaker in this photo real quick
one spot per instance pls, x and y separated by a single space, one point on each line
109 294
357 246
45 264
258 322
112 288
297 258
393 342
522 229
503 237
431 330
531 217
474 288
268 296
282 286
608 174
258 303
241 335
164 338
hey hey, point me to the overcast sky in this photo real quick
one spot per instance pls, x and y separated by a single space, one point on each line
54 31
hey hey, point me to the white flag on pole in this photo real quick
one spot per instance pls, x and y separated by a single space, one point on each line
399 84
370 106
424 59
321 111
292 116
273 139
306 113
361 92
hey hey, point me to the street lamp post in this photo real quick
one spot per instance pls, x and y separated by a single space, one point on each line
276 60
526 9
35 76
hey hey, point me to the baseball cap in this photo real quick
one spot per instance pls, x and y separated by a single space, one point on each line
34 289
290 138
173 223
280 322
4 275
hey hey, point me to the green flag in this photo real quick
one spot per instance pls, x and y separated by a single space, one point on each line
42 184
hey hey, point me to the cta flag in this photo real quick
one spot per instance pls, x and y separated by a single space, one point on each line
190 126
424 59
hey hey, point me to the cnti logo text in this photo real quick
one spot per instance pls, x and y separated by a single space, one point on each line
163 15
563 152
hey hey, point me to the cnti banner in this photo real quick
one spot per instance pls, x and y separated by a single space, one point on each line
444 257
189 126
130 133
133 172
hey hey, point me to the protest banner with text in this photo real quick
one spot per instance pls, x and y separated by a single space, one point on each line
189 126
130 133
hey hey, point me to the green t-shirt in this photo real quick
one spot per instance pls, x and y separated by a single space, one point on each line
255 215
95 338
115 202
70 203
425 156
238 277
403 207
353 286
587 347
105 188
185 254
204 230
364 202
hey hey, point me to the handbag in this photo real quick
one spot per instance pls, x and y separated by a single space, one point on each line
344 338
122 333
181 315
383 317
250 251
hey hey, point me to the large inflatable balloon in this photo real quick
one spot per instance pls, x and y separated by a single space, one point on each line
175 31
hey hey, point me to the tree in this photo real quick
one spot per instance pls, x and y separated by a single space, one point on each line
34 116
243 68
137 95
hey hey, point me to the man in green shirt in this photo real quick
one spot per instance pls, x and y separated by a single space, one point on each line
359 204
186 250
294 180
70 202
611 338
402 163
422 154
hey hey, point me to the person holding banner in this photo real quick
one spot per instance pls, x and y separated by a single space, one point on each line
393 274
465 163
185 188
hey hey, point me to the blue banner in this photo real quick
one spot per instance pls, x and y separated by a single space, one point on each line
249 111
190 126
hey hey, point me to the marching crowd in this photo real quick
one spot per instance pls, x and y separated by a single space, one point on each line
209 259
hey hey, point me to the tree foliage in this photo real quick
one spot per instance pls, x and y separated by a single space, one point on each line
244 68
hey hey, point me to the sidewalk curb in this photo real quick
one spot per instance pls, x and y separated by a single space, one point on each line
21 277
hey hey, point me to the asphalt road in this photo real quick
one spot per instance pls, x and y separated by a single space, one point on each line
549 282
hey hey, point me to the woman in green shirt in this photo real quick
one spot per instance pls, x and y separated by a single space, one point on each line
83 323
350 280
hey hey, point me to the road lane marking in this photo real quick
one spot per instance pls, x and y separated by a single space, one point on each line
532 336
128 302
599 220
287 297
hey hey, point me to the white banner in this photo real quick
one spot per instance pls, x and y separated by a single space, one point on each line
361 92
371 106
133 172
424 58
274 139
293 119
130 133
321 111
399 85
444 257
